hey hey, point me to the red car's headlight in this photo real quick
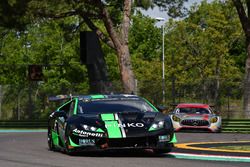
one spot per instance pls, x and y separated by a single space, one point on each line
214 119
176 119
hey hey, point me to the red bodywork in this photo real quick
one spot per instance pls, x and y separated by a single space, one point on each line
204 116
192 105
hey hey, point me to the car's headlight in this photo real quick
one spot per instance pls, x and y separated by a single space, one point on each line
157 125
214 119
88 128
176 119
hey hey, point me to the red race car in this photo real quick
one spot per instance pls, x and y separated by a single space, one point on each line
195 117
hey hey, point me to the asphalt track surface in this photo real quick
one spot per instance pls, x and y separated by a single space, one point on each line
30 150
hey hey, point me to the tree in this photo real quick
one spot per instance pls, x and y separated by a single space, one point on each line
44 44
243 10
114 14
204 39
145 48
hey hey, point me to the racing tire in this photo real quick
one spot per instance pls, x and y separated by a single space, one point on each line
66 149
50 140
162 151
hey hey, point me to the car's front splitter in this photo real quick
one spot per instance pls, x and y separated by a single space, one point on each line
157 142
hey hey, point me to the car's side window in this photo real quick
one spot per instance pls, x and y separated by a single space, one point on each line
72 107
80 110
177 111
66 108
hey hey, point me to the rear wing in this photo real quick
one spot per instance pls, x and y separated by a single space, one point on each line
89 97
60 97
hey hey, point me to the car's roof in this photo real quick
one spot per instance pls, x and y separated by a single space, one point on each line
106 96
192 105
93 97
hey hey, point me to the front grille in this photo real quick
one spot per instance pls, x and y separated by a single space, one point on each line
133 142
190 129
194 122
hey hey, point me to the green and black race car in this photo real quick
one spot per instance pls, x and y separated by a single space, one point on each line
98 122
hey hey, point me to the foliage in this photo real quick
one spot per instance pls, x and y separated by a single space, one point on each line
145 47
145 38
62 70
204 41
202 50
174 8
115 16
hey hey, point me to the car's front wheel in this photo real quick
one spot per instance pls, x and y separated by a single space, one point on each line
50 140
67 148
162 151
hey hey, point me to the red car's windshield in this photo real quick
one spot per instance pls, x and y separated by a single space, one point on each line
193 110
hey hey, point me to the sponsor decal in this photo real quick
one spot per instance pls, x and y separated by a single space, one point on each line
83 133
84 142
115 127
125 125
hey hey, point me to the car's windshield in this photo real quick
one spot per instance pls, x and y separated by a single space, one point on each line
193 110
110 106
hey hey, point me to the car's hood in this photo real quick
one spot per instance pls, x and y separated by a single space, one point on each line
195 116
130 124
129 119
146 117
123 124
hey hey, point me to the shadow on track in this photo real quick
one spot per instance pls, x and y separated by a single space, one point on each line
118 153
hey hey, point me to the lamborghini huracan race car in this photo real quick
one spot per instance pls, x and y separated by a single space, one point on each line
195 117
98 122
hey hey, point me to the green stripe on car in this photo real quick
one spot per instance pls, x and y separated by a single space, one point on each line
97 96
107 117
76 105
112 125
55 138
100 130
113 129
71 143
174 139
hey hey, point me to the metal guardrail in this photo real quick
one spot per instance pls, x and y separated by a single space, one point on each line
228 125
236 125
24 124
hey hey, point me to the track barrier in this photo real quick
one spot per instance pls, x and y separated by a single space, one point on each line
228 125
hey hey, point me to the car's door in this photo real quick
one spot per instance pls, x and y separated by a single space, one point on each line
61 121
69 115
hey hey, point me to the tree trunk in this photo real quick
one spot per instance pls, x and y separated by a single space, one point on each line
120 41
244 19
127 75
217 84
246 95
